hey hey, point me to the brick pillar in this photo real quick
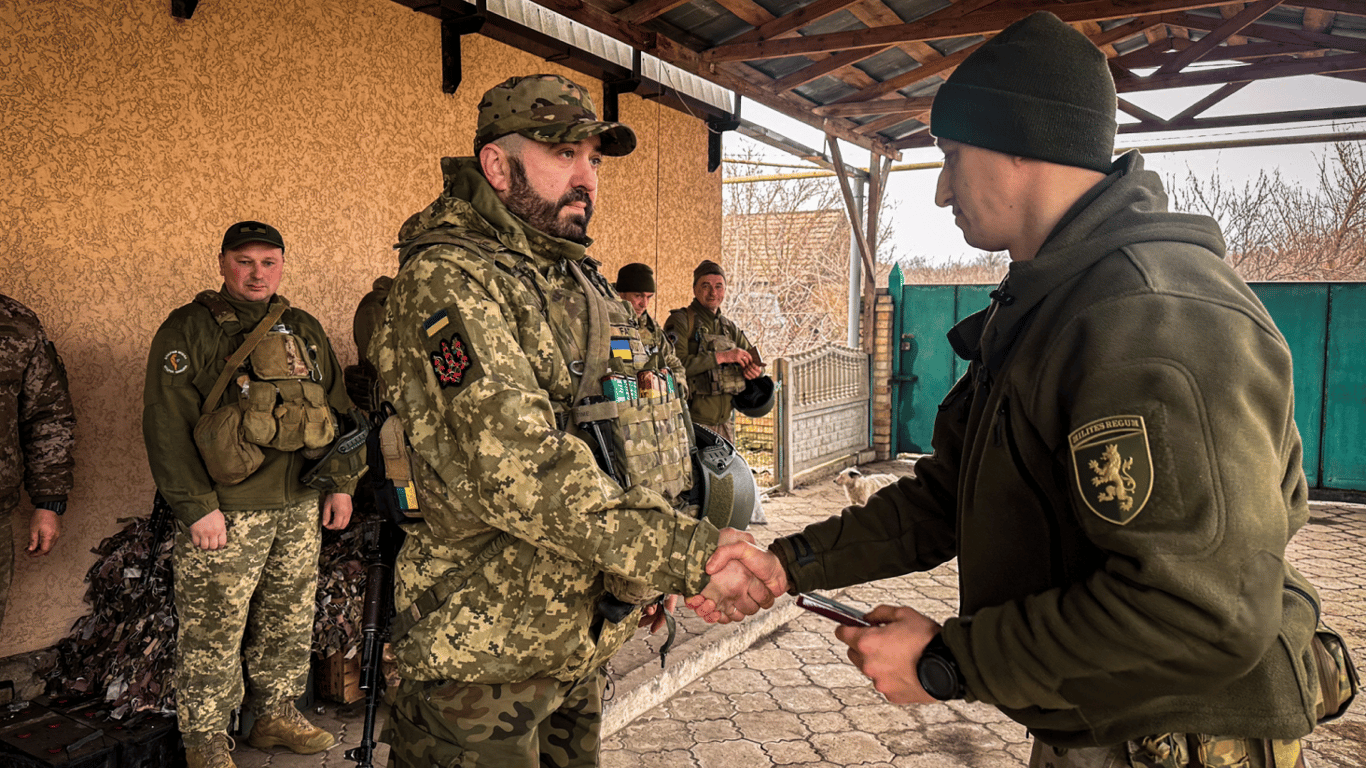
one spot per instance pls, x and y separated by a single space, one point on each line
882 376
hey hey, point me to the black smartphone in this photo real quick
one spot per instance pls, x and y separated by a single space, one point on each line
832 609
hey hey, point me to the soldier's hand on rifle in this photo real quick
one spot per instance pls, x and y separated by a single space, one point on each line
43 531
336 511
210 531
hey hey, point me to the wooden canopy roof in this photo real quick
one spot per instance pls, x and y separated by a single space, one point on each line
866 70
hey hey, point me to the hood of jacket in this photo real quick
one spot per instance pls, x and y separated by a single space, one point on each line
468 202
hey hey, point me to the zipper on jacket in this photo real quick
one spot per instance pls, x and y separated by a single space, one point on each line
1003 435
1305 595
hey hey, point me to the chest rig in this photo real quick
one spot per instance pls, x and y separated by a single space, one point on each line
271 397
722 379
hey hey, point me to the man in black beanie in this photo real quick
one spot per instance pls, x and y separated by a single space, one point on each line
1118 472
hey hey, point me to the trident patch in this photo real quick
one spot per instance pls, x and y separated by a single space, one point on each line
1113 466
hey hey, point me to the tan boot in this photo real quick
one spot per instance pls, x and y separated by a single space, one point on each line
215 753
285 726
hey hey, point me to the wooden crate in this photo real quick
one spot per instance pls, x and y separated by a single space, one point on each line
338 678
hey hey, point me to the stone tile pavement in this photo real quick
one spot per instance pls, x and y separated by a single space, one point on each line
778 690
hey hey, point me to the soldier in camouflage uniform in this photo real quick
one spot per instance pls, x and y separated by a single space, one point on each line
636 286
1118 472
718 357
246 550
538 554
39 423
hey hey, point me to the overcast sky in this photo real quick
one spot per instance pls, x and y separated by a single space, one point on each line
923 229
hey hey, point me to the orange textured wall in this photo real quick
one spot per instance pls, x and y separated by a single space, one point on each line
129 140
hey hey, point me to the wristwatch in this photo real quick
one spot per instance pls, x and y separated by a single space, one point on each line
59 507
938 671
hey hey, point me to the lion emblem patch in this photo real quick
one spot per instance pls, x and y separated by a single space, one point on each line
1113 466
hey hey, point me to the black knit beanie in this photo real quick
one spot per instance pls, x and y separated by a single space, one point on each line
1039 89
635 278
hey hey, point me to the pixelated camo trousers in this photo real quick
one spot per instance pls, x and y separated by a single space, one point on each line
1175 750
536 724
257 594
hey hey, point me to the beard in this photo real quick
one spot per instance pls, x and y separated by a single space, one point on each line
543 214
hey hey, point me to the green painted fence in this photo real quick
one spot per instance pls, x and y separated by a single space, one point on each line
1324 323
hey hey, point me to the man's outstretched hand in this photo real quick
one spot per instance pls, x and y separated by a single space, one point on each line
744 579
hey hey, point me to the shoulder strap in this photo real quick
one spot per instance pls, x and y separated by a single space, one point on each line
254 338
599 343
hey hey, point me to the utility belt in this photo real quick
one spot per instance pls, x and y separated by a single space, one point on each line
277 403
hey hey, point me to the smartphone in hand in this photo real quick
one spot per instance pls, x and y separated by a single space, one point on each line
832 609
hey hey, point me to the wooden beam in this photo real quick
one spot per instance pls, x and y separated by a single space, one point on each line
992 19
788 24
1247 72
1336 6
1274 34
747 11
1151 56
865 252
1244 121
1142 114
873 127
905 107
832 63
1210 41
1226 90
1316 20
643 11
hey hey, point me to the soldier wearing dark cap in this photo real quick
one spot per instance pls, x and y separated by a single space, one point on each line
636 286
550 459
39 434
719 358
1118 472
242 396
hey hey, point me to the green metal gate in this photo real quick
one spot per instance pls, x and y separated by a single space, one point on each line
1324 323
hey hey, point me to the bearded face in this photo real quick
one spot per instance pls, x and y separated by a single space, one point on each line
565 218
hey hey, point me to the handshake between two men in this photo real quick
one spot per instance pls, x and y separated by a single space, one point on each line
746 578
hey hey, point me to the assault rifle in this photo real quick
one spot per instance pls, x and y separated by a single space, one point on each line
381 548
382 537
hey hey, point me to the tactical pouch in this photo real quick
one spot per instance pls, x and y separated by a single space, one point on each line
281 356
228 457
651 439
726 378
1337 674
258 411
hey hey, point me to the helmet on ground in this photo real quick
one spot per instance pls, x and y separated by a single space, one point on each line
729 493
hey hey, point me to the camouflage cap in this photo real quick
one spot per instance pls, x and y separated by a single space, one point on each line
549 109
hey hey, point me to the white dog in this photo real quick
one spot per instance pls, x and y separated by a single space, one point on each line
858 486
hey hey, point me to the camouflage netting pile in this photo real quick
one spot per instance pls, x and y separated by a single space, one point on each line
341 593
125 647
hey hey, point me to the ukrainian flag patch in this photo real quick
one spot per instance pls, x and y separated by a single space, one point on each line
436 322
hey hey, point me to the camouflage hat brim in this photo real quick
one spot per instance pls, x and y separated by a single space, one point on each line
617 139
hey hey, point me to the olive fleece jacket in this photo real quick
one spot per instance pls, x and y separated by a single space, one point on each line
1118 474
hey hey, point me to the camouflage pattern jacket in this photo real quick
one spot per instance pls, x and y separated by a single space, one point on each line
187 354
475 354
1118 473
687 333
39 423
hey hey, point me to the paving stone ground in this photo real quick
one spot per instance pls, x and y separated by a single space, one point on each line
789 697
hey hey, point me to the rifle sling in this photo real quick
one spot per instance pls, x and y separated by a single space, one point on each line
448 584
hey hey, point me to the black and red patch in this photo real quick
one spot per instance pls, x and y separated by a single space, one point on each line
451 361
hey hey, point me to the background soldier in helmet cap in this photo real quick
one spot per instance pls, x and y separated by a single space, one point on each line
1118 472
719 359
550 458
227 447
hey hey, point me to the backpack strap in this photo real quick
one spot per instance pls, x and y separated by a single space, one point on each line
235 361
448 584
